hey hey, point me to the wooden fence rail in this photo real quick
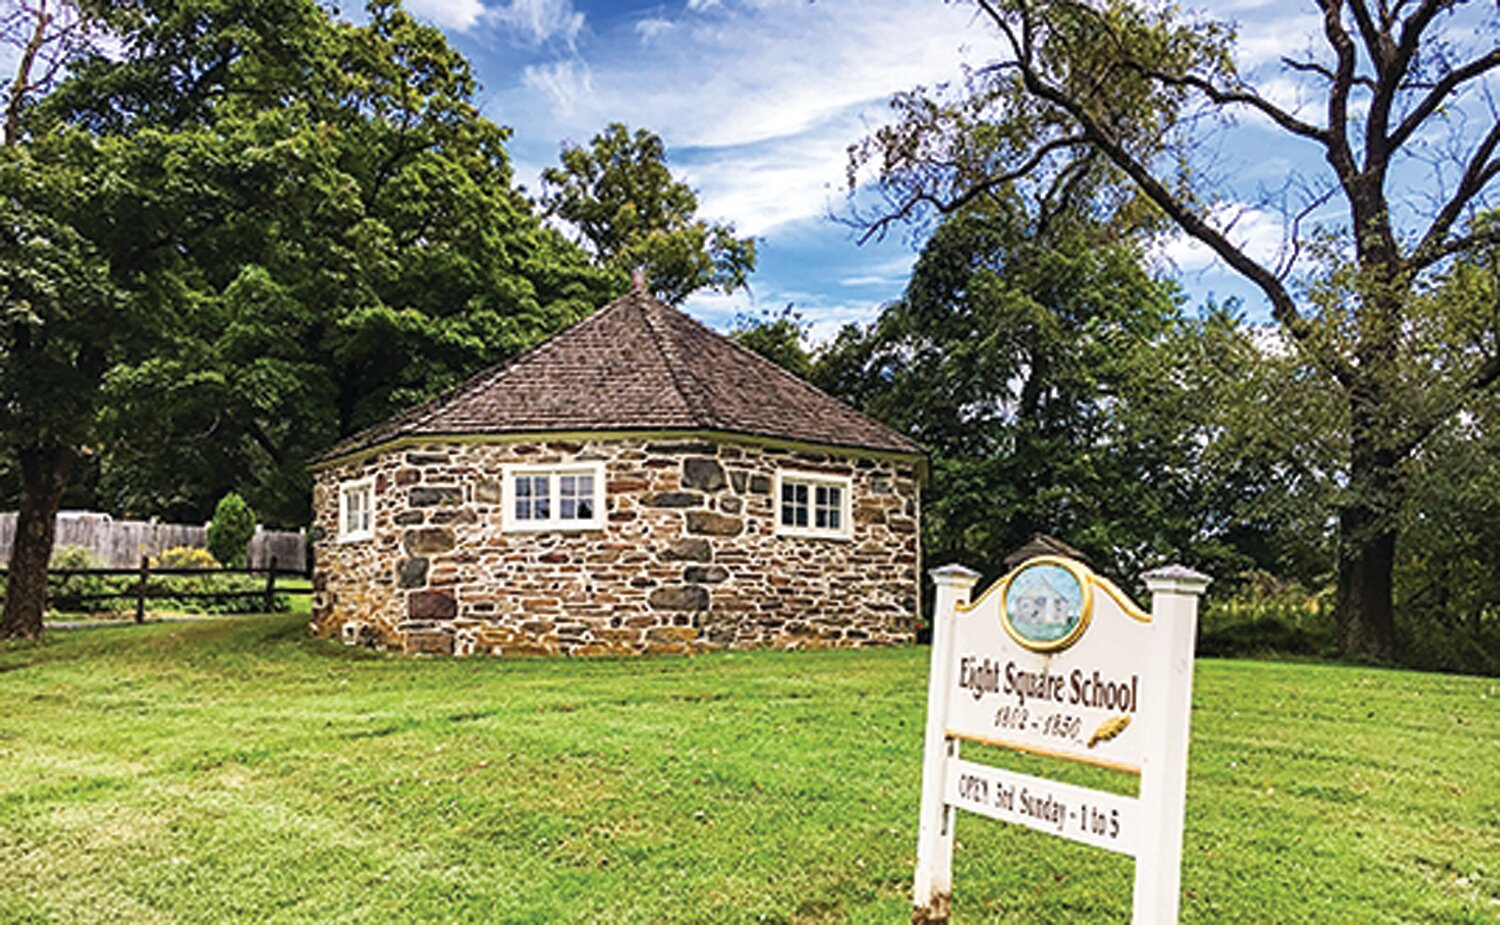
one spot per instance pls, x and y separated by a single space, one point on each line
142 590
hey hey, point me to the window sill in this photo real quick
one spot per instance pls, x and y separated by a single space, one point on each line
349 539
794 533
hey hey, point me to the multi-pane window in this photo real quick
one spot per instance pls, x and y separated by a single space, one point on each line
555 497
809 505
356 510
575 496
533 497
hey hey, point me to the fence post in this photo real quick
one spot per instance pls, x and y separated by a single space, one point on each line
933 885
140 590
271 585
1169 682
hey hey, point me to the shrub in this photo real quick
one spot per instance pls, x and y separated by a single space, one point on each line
185 557
70 557
1262 615
75 592
231 529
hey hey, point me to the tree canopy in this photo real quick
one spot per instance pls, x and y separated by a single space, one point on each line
627 208
247 230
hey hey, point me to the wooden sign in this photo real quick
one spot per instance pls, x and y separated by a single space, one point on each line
1056 661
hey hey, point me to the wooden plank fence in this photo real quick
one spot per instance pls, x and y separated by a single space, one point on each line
122 543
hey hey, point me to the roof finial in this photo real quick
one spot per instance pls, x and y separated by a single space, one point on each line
638 279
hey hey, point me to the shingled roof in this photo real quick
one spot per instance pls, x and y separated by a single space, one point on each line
637 364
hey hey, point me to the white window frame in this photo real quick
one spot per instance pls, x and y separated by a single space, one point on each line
844 483
511 524
366 485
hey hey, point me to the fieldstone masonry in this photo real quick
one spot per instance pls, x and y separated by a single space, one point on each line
688 559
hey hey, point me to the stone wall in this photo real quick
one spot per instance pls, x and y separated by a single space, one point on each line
688 559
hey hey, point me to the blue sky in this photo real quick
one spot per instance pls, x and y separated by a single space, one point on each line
757 101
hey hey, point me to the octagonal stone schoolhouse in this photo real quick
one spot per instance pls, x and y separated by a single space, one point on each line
636 484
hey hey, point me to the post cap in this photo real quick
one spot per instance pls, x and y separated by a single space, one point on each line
954 574
1175 579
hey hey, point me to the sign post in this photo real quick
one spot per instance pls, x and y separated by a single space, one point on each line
1053 660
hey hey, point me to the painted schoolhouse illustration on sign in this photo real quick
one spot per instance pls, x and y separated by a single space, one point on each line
1045 603
636 484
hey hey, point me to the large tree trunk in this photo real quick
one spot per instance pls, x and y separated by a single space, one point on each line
1365 612
44 475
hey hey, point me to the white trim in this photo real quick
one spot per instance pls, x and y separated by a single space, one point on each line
366 485
509 522
844 483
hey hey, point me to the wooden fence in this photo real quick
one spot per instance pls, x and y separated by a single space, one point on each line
143 589
122 543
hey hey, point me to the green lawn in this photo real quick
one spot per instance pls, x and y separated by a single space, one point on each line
235 770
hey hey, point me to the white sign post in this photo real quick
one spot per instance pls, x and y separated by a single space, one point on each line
1056 661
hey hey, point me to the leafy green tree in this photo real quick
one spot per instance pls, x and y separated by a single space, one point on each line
230 531
62 323
1037 367
344 254
1137 89
629 211
247 230
778 336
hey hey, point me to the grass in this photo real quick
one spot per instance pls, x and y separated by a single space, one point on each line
235 770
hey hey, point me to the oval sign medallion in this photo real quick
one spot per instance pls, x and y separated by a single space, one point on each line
1047 603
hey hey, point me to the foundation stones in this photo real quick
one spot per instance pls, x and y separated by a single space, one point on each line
695 550
679 597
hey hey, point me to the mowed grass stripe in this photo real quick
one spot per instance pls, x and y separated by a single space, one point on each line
235 770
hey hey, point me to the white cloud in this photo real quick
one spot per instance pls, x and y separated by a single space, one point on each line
887 273
698 6
565 83
457 15
823 319
651 27
1258 232
540 21
757 102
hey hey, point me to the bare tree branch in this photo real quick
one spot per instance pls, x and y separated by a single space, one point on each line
1483 167
1313 67
1338 153
16 99
973 192
1440 92
1282 306
1243 97
1377 42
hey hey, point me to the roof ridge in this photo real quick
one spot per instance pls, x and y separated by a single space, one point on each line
692 401
796 380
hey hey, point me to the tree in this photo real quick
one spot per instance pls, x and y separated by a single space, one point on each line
247 230
348 252
60 318
231 530
777 336
62 322
1037 365
629 211
1138 88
